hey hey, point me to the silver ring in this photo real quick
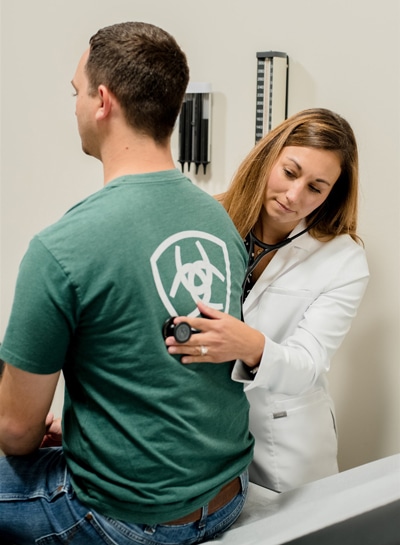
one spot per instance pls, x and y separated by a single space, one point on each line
203 350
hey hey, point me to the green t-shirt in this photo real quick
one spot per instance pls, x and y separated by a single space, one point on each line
146 438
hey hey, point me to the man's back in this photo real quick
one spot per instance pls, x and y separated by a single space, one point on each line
144 435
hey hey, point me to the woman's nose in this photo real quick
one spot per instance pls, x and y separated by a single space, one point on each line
294 191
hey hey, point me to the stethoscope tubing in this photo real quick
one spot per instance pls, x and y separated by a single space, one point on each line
267 248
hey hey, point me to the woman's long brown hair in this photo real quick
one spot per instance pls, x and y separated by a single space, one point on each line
314 128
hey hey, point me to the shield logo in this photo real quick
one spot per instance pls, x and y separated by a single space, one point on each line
192 266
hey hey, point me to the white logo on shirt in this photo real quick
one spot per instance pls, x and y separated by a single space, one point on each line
180 277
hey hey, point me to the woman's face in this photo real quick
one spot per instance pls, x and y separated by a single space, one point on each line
300 181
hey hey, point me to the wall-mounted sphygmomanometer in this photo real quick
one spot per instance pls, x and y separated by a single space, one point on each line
195 127
272 91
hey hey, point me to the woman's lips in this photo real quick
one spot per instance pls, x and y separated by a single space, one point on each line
284 208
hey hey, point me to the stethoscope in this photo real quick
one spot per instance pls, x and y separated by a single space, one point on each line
266 249
182 331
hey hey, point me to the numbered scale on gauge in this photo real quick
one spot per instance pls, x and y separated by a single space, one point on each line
272 91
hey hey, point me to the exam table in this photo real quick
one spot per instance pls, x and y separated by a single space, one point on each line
360 506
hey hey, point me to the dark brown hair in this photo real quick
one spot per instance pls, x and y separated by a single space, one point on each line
145 69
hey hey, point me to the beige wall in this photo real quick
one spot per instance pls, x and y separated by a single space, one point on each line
344 55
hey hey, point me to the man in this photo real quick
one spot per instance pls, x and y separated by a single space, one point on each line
152 450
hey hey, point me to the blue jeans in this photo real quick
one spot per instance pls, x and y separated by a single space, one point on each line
38 506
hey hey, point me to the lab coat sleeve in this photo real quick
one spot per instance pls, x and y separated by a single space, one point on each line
293 365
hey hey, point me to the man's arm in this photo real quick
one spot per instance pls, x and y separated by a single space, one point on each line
25 400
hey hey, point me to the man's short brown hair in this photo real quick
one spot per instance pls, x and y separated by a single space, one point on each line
145 69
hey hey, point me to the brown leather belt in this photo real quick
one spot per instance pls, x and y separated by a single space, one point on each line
224 496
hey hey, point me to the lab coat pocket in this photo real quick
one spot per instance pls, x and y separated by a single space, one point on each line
280 310
296 443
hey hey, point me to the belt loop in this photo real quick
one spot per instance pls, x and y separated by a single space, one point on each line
203 519
244 481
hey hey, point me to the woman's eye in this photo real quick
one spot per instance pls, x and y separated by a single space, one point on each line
314 189
288 173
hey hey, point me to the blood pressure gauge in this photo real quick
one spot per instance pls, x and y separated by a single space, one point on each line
272 91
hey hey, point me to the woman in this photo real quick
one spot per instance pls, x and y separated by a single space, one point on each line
299 301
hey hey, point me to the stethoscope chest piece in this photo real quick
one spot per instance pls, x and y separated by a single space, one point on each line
182 331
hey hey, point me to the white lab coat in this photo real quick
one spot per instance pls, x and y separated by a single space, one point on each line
303 303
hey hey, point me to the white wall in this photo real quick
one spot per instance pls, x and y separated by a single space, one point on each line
344 55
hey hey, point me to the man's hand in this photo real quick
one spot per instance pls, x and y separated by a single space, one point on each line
53 435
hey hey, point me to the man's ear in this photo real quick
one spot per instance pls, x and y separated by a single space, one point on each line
105 99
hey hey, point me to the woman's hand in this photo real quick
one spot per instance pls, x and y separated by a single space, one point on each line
53 435
222 338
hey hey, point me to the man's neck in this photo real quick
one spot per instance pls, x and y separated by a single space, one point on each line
135 156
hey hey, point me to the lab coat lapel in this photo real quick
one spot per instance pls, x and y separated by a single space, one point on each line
284 259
